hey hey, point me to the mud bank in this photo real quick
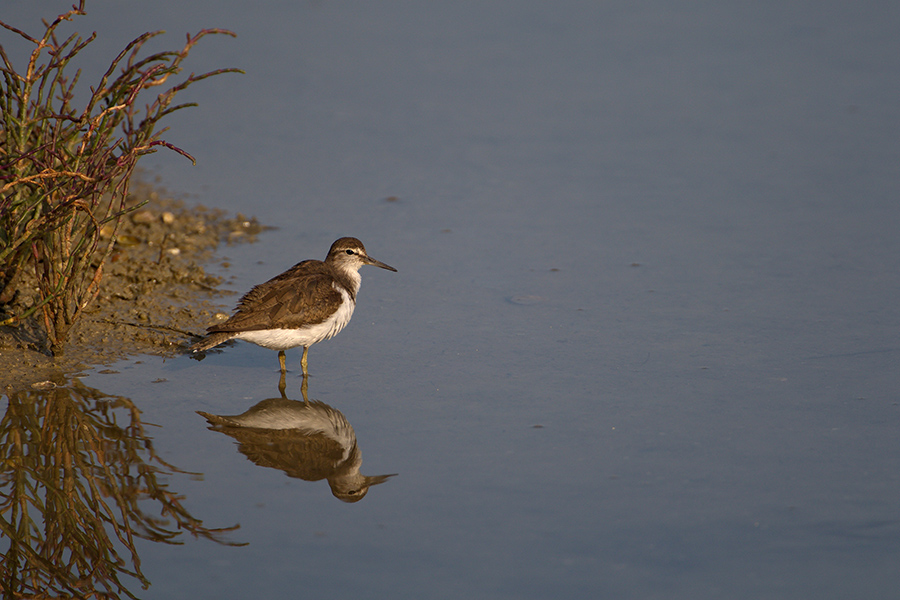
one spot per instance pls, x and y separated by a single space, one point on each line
155 294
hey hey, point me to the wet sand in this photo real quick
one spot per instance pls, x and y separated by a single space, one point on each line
156 293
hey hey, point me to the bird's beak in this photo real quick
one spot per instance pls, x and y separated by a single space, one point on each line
376 479
371 261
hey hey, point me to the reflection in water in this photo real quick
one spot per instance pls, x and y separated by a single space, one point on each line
309 440
73 488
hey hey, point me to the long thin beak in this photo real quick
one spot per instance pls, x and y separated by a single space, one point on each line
376 479
371 261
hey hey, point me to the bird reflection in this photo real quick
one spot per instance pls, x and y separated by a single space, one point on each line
309 440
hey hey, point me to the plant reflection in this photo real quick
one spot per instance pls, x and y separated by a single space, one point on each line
308 440
75 484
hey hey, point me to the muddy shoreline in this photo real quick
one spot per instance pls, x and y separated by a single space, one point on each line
156 293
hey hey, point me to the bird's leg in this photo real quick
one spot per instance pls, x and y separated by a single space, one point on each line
304 388
303 361
281 360
282 385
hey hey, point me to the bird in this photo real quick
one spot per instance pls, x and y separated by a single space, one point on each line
310 302
309 440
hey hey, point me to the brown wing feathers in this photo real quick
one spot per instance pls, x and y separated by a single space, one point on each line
288 300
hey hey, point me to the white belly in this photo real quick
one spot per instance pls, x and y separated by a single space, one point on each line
284 339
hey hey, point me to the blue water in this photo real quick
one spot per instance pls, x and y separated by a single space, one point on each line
643 340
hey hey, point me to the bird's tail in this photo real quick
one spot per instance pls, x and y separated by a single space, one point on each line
218 421
213 339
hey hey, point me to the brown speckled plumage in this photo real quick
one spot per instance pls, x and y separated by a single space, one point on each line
309 298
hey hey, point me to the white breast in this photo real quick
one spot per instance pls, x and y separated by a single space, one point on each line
284 339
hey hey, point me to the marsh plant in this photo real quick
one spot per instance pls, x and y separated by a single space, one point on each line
65 171
80 483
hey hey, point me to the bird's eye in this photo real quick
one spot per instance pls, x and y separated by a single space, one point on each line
349 251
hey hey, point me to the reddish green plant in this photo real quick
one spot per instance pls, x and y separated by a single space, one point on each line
81 482
65 172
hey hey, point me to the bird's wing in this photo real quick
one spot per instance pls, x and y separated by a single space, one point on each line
297 297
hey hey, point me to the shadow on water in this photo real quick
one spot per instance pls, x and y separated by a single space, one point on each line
306 439
75 490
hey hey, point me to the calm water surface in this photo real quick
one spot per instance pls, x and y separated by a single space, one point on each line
643 340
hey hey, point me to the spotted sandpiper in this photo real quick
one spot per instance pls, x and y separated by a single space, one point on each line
309 440
310 302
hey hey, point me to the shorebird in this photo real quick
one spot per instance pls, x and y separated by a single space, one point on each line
309 440
310 302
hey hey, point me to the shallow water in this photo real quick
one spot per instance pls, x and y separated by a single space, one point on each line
643 338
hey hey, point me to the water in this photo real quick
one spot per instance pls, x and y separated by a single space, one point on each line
643 338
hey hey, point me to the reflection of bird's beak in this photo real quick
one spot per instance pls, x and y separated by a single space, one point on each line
371 261
376 479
